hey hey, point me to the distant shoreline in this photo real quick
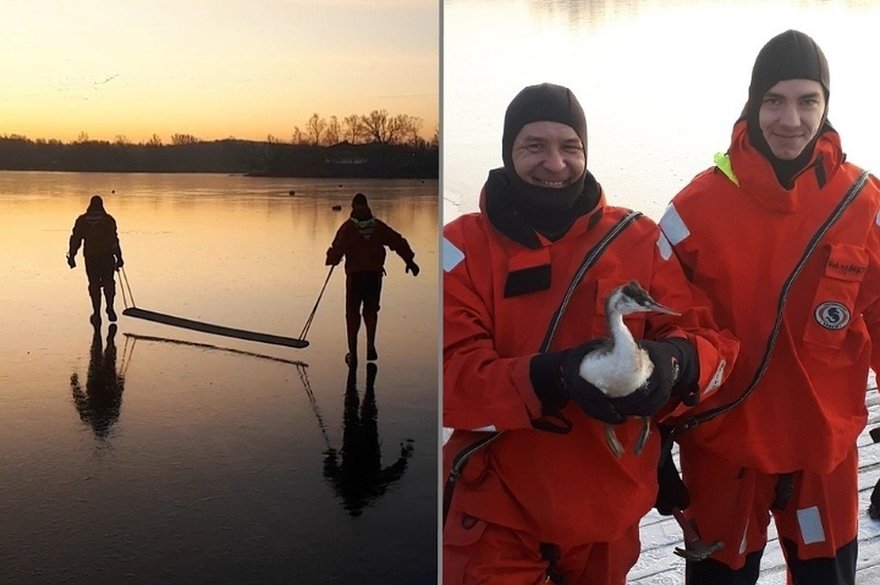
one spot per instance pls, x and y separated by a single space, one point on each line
231 156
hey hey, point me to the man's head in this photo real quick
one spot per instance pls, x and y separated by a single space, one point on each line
546 185
359 200
788 96
360 210
545 137
96 203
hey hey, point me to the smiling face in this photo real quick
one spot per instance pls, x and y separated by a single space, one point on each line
790 115
548 154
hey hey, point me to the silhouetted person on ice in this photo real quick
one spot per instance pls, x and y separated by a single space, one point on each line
362 240
359 477
98 406
97 229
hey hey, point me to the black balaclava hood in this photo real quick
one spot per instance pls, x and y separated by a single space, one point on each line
550 211
360 209
96 204
790 55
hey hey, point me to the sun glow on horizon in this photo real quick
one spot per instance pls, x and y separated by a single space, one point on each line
213 70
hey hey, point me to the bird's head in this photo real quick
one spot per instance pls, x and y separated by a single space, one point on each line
632 298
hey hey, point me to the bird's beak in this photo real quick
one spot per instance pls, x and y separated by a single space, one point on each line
658 308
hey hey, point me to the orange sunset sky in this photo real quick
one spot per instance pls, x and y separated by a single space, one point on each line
212 68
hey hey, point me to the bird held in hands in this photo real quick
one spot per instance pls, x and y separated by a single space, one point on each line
620 366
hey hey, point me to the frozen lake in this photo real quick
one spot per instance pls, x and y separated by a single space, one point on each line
162 455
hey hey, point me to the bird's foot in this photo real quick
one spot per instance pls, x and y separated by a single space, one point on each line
613 442
642 439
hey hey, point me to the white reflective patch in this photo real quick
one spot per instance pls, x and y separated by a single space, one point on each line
487 429
811 525
877 219
673 226
743 543
451 255
715 382
664 246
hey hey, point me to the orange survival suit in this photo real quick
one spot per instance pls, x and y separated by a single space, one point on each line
739 234
564 488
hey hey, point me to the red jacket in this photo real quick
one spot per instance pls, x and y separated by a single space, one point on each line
563 488
363 245
739 241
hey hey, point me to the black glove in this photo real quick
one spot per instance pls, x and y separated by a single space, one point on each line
874 508
555 378
331 258
675 372
71 261
411 266
672 492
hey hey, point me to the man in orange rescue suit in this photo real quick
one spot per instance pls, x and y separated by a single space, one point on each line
547 501
793 269
361 241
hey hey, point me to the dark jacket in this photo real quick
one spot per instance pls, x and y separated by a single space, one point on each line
97 229
363 242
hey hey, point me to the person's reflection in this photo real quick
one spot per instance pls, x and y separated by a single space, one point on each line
98 406
357 475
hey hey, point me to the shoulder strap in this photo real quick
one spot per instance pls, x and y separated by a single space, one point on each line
708 415
587 263
590 258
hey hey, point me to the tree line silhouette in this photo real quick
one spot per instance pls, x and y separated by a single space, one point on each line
375 145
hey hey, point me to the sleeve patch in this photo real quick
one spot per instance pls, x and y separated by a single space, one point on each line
664 246
673 226
877 218
715 382
452 256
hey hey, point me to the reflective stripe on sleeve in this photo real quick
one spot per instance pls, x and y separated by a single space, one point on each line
452 256
715 382
673 226
877 218
486 429
811 525
664 246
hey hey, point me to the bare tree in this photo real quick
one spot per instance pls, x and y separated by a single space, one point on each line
352 129
408 129
386 129
179 139
331 134
83 137
154 140
377 126
315 129
121 140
